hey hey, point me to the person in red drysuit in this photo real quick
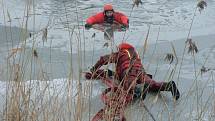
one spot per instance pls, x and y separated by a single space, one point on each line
130 73
108 16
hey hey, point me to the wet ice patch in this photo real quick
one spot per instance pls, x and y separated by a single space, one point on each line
60 88
2 88
212 86
203 116
207 56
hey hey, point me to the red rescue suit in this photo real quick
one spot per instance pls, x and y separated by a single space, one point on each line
99 18
129 72
129 69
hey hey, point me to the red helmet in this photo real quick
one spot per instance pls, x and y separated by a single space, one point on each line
108 7
124 45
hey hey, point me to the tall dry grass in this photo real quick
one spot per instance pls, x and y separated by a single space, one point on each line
43 101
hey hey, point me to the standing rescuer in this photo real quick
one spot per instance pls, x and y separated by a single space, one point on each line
107 16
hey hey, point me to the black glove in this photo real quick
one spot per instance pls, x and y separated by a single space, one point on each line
149 75
137 92
124 27
88 26
110 73
93 69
